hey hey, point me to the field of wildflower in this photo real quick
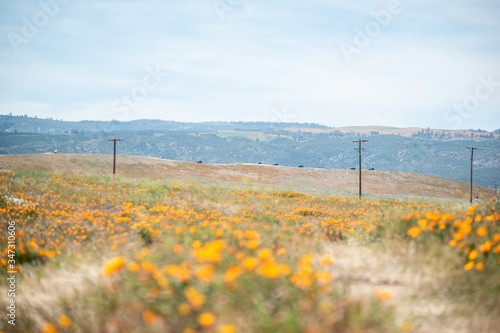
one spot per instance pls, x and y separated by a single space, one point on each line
184 257
475 231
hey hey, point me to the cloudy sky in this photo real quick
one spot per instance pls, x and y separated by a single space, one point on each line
393 62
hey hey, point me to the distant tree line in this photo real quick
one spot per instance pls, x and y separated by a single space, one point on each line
430 134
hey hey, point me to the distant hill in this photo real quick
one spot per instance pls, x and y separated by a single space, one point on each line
432 152
11 124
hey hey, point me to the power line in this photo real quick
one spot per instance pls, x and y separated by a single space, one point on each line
114 153
471 161
360 150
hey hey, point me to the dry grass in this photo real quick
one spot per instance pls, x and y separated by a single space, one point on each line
380 183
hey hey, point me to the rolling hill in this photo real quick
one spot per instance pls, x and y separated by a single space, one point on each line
388 184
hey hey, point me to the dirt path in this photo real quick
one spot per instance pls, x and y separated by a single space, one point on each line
399 272
40 294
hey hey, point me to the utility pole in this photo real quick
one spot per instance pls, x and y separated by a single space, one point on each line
471 161
114 153
360 150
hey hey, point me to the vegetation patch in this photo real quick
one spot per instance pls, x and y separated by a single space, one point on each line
190 257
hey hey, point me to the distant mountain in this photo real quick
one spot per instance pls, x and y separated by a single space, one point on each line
425 151
13 124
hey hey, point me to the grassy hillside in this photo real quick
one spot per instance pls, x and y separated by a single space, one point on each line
441 158
147 252
386 184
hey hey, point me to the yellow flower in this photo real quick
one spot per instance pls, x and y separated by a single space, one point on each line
205 273
281 251
468 266
182 273
405 327
482 231
305 263
206 319
465 228
232 273
265 254
479 266
432 217
325 260
195 298
486 247
252 234
210 252
323 277
301 280
249 263
148 266
149 317
383 295
447 217
227 328
272 270
160 279
473 255
49 254
252 244
49 328
414 232
113 266
64 321
133 267
422 223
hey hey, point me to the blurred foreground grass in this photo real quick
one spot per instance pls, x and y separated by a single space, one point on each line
161 256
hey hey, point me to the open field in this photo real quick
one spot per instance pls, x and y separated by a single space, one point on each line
180 247
326 181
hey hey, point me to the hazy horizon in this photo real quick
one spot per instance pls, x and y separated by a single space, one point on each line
256 121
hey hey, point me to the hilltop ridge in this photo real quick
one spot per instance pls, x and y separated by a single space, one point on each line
26 124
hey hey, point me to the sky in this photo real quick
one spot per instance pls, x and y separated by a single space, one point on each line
400 63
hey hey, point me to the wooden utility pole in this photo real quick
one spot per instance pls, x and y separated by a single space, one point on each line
471 162
360 150
114 153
